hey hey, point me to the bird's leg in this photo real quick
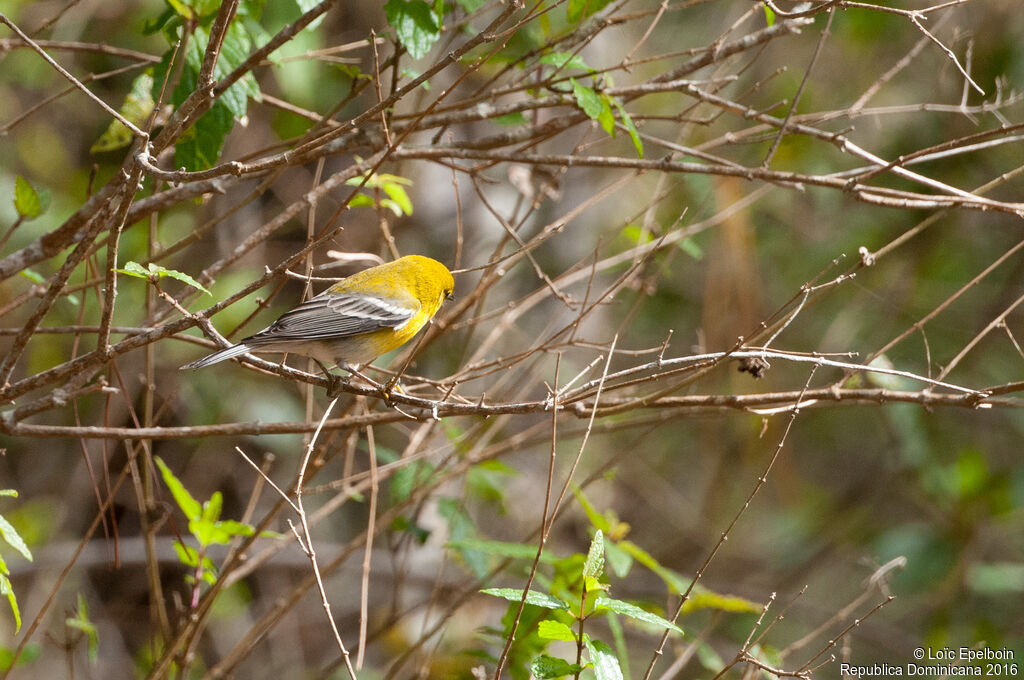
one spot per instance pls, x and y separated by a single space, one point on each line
335 382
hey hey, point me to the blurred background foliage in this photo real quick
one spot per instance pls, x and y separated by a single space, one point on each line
854 488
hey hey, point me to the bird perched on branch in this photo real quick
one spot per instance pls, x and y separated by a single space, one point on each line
357 319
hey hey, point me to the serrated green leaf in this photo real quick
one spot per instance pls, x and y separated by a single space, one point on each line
14 539
135 270
635 613
532 597
189 505
594 564
606 664
199 147
415 24
544 667
155 271
184 278
549 629
29 202
564 60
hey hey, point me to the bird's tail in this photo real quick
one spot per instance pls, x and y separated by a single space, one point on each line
228 353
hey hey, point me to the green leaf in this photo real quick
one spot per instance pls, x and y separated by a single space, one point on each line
212 507
29 203
635 613
564 60
137 106
522 551
769 15
709 658
9 493
396 192
33 276
597 520
555 630
155 272
702 598
690 247
587 99
581 9
189 505
532 597
488 481
6 589
460 526
199 147
184 9
415 24
606 664
134 269
306 5
471 5
606 118
413 74
407 478
673 580
183 277
14 539
627 122
511 119
81 622
186 555
593 567
361 200
545 666
618 559
996 579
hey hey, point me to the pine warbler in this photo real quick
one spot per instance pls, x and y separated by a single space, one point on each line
357 319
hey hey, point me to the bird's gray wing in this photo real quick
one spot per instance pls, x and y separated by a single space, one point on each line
338 315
